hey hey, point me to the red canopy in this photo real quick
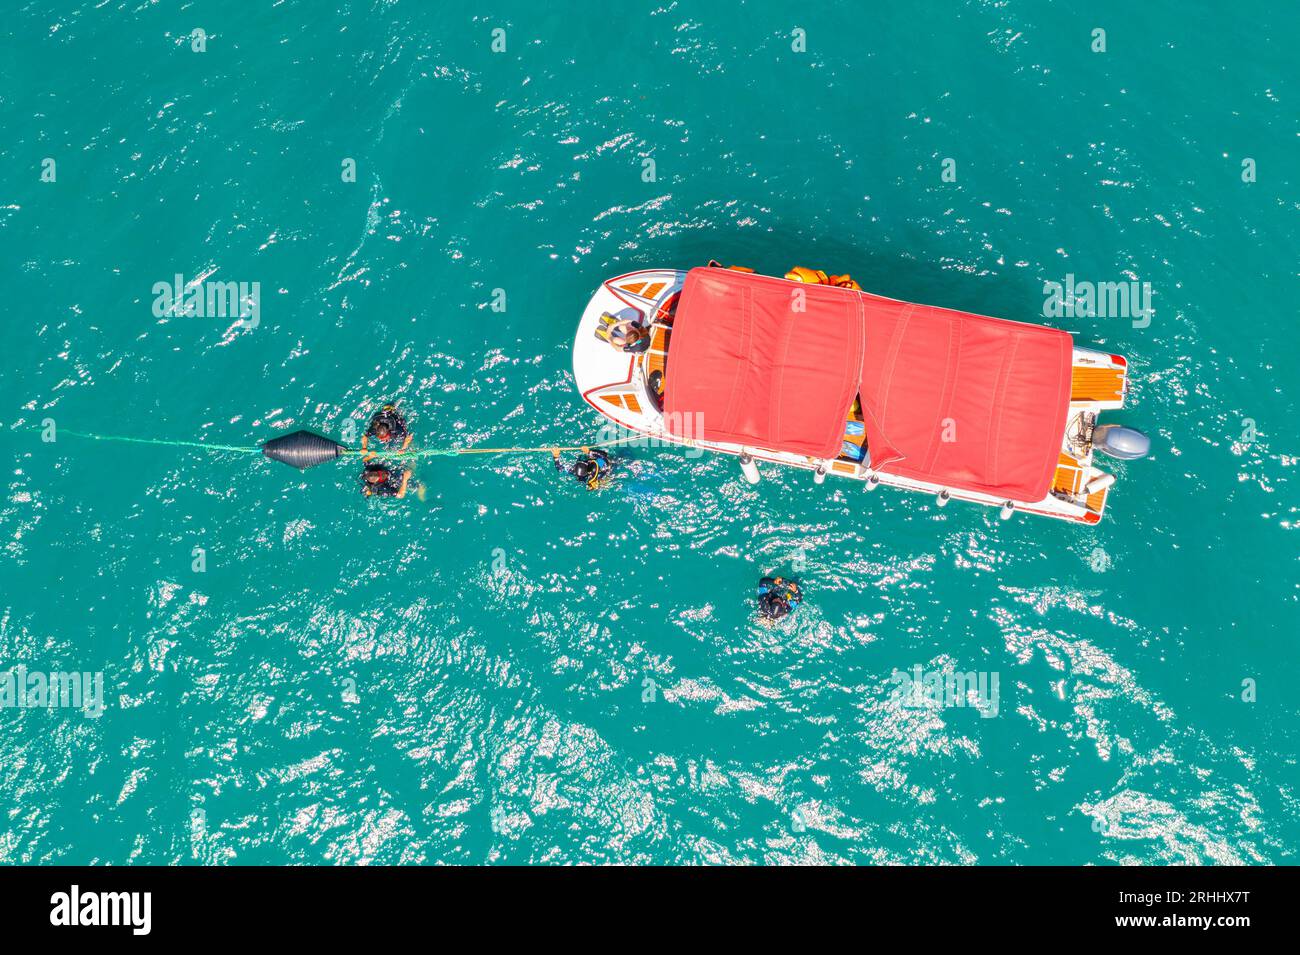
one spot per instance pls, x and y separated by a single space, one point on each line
752 369
962 400
955 399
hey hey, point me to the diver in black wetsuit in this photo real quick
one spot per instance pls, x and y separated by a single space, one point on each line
778 597
592 467
627 335
630 337
380 480
387 431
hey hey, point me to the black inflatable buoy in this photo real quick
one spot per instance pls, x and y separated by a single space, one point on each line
302 449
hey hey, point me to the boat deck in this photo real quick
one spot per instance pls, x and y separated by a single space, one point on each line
656 359
1093 384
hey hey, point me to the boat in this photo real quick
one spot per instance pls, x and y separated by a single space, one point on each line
811 372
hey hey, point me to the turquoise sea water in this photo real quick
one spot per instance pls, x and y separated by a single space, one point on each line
514 671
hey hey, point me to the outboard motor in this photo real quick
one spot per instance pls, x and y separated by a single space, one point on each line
302 449
1127 444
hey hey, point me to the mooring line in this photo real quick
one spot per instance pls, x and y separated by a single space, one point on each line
410 453
160 441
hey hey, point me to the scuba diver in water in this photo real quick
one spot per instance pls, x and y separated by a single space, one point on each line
778 597
380 480
387 433
592 468
387 430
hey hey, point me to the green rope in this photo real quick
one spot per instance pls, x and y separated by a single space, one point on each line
446 452
383 453
174 444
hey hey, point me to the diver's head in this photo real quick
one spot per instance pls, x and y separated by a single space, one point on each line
376 475
625 333
381 431
585 469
